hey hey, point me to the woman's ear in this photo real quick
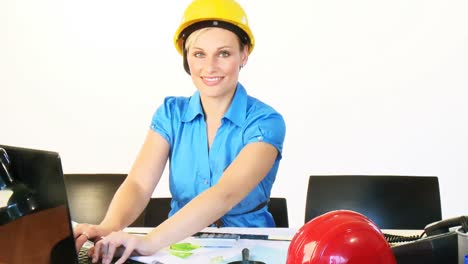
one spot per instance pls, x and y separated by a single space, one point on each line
244 56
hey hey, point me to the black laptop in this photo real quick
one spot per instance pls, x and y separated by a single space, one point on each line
35 225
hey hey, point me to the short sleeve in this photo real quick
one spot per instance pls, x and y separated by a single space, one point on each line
161 121
270 129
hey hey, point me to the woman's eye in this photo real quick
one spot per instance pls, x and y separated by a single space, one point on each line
224 53
198 54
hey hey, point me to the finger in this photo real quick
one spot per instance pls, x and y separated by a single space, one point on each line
86 235
90 252
111 247
126 254
97 239
77 231
97 251
91 232
82 236
82 230
79 242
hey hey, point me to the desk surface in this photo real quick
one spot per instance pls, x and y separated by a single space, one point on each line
269 251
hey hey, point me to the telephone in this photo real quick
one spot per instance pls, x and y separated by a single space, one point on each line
443 226
20 198
437 244
436 228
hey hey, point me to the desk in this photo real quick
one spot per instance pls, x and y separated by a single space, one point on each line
268 251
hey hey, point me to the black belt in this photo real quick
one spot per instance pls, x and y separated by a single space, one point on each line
219 223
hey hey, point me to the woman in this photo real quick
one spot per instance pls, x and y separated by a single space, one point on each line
224 146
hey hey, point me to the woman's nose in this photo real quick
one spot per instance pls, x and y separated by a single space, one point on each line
211 64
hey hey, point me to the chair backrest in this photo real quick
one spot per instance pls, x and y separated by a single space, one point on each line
89 196
392 202
157 211
279 209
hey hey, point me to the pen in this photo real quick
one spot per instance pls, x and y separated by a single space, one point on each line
217 246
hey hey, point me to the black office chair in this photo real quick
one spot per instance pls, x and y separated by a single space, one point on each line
392 202
158 209
279 209
89 196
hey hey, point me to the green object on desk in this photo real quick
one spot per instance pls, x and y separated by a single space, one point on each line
182 250
184 246
180 254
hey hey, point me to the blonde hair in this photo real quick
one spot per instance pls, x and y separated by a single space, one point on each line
193 37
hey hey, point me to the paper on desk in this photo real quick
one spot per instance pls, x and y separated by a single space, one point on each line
270 252
201 255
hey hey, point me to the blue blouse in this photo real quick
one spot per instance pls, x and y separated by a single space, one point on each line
193 167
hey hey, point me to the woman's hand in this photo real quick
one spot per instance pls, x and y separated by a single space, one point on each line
85 232
120 244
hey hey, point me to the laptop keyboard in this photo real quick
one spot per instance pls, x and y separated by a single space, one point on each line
83 256
84 259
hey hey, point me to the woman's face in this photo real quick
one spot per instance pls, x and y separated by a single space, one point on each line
214 58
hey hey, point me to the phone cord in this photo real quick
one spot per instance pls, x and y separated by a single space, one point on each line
399 238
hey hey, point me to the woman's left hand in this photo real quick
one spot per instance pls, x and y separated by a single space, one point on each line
120 244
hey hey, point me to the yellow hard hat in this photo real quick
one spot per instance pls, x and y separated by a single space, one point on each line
227 14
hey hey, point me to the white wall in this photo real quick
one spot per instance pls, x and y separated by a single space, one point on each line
366 87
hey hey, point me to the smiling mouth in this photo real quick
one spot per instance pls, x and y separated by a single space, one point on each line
210 81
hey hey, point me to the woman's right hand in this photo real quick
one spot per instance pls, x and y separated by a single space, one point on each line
85 232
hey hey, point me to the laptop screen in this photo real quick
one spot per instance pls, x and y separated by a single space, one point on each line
35 225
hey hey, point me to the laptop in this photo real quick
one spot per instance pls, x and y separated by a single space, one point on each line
35 225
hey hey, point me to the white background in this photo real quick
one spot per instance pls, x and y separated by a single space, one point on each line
365 87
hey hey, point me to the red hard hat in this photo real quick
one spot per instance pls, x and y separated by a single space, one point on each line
340 237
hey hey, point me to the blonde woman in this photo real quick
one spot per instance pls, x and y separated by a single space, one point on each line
223 146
